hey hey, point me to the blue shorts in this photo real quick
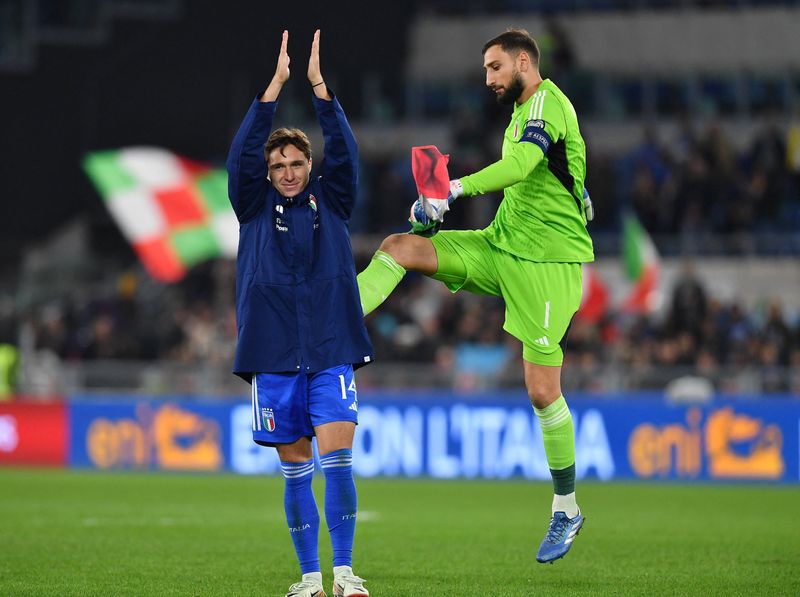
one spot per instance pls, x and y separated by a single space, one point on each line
287 406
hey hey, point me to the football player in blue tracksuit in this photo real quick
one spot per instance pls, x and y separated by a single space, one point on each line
299 318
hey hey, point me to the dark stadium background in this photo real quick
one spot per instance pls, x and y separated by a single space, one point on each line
180 82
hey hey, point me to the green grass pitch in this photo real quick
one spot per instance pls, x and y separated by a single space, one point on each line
91 533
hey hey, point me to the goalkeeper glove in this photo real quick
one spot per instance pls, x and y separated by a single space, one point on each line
588 206
436 208
421 224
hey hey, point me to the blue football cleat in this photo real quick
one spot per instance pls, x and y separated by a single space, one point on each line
559 537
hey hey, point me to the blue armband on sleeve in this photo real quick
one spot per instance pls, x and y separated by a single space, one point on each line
534 133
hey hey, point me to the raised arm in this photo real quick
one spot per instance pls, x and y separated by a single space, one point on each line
281 72
314 73
514 166
509 170
340 164
247 168
522 157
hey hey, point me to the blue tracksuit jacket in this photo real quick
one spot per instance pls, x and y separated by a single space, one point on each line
297 301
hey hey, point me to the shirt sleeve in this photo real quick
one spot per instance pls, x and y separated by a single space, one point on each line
340 163
544 125
247 168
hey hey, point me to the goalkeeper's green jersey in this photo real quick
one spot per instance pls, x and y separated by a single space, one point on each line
542 173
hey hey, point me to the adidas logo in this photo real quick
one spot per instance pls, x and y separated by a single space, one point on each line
542 341
354 406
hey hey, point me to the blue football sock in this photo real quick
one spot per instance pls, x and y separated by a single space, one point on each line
301 513
341 504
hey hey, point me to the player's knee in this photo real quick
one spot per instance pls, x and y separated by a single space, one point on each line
542 393
394 244
300 451
401 248
411 252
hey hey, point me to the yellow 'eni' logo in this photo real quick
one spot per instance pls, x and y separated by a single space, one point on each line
740 446
168 437
737 446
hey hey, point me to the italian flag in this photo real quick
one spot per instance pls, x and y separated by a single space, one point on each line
595 296
174 212
642 267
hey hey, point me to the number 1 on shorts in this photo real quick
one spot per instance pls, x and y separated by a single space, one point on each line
546 314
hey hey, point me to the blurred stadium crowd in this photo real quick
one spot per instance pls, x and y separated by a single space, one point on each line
458 339
698 183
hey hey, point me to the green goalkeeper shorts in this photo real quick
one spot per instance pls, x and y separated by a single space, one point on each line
540 297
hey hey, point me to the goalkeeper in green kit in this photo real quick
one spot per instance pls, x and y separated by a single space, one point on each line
531 254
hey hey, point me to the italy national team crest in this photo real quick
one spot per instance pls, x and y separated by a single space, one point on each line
312 201
268 417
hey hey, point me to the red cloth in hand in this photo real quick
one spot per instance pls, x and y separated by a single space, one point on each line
429 166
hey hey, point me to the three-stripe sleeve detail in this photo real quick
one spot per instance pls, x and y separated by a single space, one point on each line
537 105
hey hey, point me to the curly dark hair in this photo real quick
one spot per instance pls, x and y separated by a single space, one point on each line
514 41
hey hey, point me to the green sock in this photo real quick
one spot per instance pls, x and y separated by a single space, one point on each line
378 280
563 480
559 444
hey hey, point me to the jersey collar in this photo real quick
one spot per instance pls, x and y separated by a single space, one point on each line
519 107
300 199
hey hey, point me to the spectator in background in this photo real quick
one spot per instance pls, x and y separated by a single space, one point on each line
769 158
793 152
688 307
556 45
776 333
9 353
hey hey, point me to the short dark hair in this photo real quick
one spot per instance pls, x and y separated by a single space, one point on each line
282 137
515 41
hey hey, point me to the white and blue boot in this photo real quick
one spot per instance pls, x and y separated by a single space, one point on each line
560 535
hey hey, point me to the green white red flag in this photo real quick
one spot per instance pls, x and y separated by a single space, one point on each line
174 212
642 267
595 296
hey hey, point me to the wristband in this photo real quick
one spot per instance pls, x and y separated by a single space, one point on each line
456 188
318 84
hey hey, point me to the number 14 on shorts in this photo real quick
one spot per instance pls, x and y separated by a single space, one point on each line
347 390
